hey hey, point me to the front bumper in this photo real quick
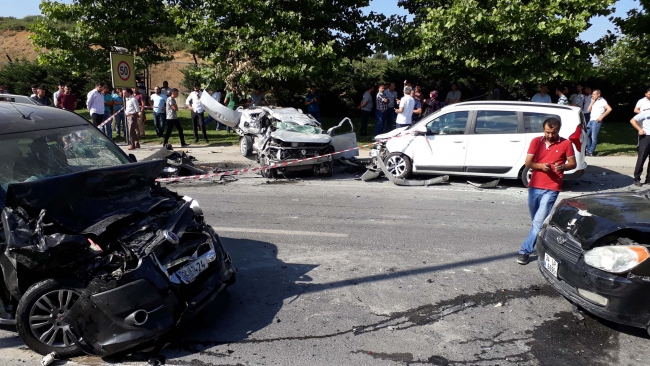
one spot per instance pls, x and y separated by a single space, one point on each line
99 322
628 299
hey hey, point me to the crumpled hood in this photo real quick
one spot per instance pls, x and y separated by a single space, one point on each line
290 136
82 202
392 133
590 217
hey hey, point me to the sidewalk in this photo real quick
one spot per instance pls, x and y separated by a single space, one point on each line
611 164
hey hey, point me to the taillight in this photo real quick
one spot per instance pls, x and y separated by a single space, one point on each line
575 138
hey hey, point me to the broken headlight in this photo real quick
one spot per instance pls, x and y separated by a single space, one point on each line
170 169
616 259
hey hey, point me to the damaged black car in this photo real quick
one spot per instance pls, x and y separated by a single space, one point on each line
95 256
593 249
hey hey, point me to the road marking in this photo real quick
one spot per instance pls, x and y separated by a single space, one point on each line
278 232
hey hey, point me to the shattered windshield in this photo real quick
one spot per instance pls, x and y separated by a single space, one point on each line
294 127
40 154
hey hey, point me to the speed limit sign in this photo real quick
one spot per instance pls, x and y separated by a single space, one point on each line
122 70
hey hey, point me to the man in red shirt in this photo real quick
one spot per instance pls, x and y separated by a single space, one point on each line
548 157
67 100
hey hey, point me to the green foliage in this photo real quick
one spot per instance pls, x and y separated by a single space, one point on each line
97 26
14 24
274 40
532 41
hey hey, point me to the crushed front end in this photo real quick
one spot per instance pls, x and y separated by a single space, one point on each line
594 249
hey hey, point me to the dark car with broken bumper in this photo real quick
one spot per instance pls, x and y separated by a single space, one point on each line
95 256
593 249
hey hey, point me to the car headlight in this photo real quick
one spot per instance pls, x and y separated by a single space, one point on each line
548 218
616 259
169 169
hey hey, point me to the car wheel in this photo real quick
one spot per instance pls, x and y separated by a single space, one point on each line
246 145
526 174
399 165
40 313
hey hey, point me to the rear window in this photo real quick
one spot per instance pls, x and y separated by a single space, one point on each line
534 122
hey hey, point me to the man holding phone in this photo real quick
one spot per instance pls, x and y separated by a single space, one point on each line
548 157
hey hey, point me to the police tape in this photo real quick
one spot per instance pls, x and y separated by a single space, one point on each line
271 166
109 119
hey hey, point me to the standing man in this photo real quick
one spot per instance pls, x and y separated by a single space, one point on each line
381 112
166 90
131 109
67 100
312 100
120 117
34 87
542 96
598 109
172 118
577 99
643 104
366 108
453 96
55 97
194 103
257 98
431 104
562 99
231 100
546 159
405 110
390 116
158 100
40 97
417 107
95 104
141 115
587 101
108 105
642 118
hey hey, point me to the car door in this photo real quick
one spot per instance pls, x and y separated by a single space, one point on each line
495 143
444 146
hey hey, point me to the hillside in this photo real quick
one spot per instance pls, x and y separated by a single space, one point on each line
17 45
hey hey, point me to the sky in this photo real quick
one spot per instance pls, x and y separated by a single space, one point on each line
599 26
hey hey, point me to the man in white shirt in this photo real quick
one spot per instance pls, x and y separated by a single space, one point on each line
131 110
643 104
56 93
366 107
95 104
389 118
405 110
166 90
158 101
542 96
643 119
586 102
194 103
599 109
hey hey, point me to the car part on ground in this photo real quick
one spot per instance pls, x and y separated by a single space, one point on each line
490 184
410 182
108 266
593 249
179 164
285 138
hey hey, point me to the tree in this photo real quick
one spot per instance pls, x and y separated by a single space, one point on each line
275 40
510 40
95 27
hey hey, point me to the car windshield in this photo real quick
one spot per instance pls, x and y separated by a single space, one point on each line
294 127
34 155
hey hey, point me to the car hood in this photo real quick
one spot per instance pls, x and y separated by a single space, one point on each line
88 201
392 133
290 136
590 217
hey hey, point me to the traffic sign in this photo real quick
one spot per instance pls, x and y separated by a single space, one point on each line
122 70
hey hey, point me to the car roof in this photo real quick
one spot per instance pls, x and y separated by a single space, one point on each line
515 104
18 117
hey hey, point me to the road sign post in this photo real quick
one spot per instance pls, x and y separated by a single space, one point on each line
122 70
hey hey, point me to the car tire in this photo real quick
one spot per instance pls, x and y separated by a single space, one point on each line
34 322
246 145
399 165
525 175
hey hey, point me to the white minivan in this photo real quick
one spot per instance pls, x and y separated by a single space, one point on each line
486 139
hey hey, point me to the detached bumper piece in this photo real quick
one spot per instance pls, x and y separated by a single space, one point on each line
407 182
617 298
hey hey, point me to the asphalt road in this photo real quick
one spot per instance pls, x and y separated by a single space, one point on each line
342 272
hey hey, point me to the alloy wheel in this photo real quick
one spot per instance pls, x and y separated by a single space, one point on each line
46 317
396 165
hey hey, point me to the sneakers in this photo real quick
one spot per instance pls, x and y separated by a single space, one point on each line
637 183
522 258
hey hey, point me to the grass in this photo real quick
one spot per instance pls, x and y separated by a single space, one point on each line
616 138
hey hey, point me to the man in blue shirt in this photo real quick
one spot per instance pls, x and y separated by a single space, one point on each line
158 100
542 96
312 100
641 122
120 118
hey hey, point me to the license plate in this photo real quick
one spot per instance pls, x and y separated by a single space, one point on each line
192 270
550 264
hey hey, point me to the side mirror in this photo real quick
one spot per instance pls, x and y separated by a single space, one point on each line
420 130
133 158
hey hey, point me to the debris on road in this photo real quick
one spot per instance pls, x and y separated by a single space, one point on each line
490 184
179 164
49 359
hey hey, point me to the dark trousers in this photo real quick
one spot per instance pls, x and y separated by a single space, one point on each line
171 123
644 152
389 119
316 115
379 125
97 119
197 121
364 122
159 123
